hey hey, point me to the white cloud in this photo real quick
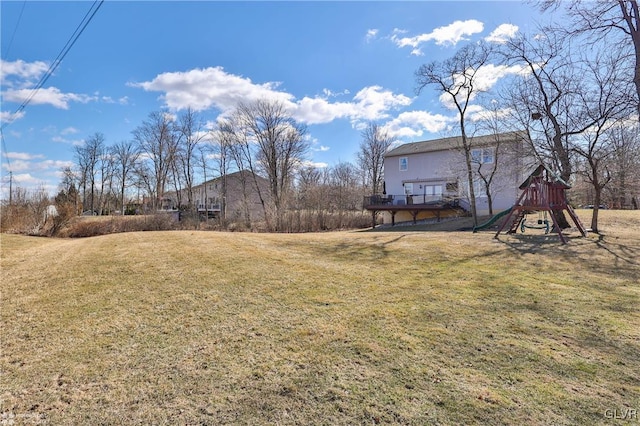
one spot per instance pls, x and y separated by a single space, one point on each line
10 117
20 165
25 178
69 131
52 165
319 110
202 89
23 156
330 93
74 142
488 75
24 71
317 165
39 166
450 34
373 102
484 79
413 124
109 100
51 95
371 35
370 103
478 113
502 33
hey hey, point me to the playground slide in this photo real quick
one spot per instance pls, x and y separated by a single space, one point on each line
493 220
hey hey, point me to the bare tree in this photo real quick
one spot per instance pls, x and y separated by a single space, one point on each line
344 187
280 146
222 147
106 168
549 101
88 157
373 146
456 79
236 140
623 165
82 173
189 129
487 160
145 180
604 103
125 155
68 186
544 99
156 139
617 22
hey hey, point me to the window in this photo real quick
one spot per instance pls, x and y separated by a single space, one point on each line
487 156
408 188
482 156
431 190
404 164
479 188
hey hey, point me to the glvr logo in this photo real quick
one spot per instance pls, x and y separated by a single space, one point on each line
622 414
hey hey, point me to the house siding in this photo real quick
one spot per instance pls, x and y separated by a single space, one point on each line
241 195
440 162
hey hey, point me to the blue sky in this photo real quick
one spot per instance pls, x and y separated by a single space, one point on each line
335 65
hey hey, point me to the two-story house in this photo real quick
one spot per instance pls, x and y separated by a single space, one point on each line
427 176
235 196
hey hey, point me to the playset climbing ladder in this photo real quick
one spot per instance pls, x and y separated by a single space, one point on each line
543 191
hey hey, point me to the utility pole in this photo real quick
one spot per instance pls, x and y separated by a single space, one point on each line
10 186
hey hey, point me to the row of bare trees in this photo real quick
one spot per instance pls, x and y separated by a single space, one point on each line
169 153
576 93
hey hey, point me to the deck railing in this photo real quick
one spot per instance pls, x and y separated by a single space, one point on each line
404 200
209 207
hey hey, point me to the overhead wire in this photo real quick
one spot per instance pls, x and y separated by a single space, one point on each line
6 54
15 29
54 65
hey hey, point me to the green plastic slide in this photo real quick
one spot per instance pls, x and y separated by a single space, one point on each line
493 220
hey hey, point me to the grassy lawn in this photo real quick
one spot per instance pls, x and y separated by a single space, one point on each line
391 327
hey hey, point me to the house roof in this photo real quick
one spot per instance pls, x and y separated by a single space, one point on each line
446 144
247 173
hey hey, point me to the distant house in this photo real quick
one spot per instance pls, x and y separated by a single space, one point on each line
428 176
236 196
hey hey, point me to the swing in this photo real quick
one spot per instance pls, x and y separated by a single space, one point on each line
543 223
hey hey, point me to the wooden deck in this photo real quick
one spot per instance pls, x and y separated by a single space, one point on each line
394 204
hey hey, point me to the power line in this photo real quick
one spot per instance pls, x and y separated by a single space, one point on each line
72 40
6 53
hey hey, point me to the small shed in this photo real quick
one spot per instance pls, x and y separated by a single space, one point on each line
542 191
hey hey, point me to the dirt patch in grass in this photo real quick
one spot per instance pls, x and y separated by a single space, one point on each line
189 327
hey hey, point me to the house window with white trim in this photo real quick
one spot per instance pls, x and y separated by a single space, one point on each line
404 164
408 188
482 156
479 188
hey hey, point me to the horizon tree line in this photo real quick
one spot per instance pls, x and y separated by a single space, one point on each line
575 97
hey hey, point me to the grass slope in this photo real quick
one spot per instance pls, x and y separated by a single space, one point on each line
336 328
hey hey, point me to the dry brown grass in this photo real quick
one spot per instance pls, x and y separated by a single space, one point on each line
402 327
